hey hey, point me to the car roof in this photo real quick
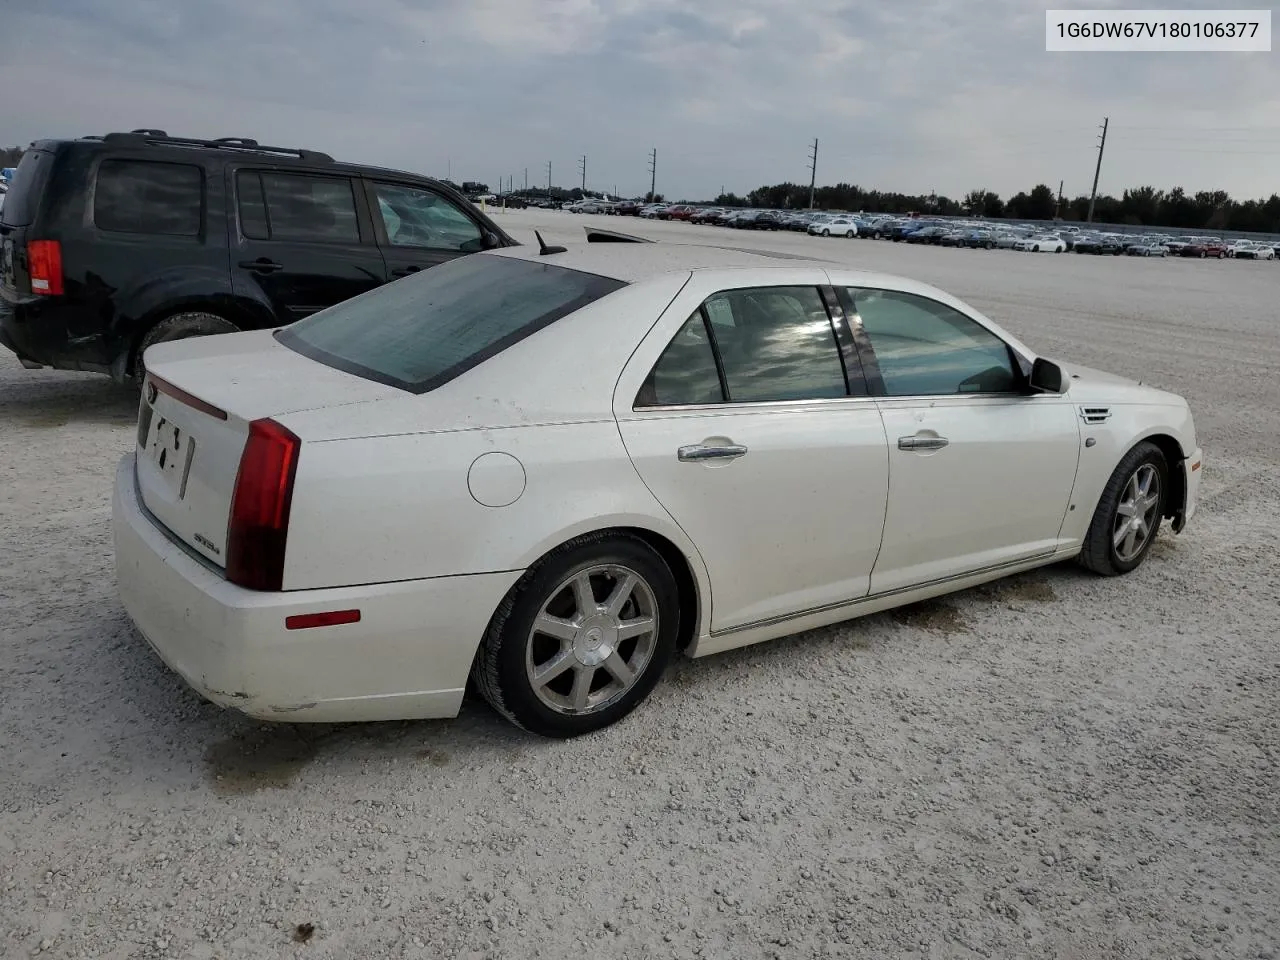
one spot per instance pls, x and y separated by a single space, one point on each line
637 262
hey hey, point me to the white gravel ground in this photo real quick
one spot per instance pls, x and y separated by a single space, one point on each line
1052 766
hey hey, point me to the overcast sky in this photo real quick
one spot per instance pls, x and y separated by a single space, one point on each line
908 95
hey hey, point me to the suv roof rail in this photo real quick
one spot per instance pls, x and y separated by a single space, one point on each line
149 137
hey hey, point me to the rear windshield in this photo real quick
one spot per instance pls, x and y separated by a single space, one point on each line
423 331
24 190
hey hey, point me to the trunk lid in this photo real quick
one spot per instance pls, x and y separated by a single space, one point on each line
193 421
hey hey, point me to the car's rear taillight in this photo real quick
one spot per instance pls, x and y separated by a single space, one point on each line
44 264
260 507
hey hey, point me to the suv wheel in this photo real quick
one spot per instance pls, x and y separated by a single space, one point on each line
180 326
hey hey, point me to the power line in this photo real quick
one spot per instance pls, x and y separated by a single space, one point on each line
1098 169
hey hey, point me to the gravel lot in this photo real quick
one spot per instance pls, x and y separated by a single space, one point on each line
1051 766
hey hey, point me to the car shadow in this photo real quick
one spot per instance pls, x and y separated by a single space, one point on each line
58 399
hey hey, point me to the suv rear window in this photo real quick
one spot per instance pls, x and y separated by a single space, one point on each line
421 332
24 189
144 196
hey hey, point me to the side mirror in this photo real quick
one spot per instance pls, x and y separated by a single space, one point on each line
1047 377
490 240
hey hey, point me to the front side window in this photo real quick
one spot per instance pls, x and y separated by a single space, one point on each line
925 348
771 344
143 196
415 217
421 332
297 207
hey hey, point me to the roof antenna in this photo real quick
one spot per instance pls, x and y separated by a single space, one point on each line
543 249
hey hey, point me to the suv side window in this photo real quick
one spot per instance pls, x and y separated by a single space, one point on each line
925 348
295 206
145 196
754 345
416 217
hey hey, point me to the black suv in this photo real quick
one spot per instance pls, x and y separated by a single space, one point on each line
111 244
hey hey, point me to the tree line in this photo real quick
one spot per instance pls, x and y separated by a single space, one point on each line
1139 206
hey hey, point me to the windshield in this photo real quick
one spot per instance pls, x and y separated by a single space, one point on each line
421 332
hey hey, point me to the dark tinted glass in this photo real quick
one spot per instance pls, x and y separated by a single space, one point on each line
253 209
925 348
28 181
318 209
423 331
686 371
142 196
776 343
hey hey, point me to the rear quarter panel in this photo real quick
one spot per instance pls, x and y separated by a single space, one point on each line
379 509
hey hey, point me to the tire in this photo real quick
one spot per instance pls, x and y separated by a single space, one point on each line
1202 254
1100 552
180 326
849 235
1221 254
512 647
875 235
826 232
988 245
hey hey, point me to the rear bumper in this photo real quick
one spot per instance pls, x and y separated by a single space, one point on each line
407 658
36 329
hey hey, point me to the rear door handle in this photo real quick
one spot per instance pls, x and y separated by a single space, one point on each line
261 265
922 443
696 452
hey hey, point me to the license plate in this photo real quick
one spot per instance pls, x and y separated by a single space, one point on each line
171 451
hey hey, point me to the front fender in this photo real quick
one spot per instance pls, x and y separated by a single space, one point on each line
1170 426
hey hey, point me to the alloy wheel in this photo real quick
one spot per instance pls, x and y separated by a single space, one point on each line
1136 513
592 639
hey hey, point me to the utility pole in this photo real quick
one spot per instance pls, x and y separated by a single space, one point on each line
548 179
813 171
1057 211
1102 143
653 175
584 174
526 179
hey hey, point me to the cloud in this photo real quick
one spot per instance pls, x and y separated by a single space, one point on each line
912 95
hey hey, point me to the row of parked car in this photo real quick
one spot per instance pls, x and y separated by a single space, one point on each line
946 232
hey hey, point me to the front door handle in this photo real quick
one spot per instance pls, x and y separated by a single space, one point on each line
405 271
922 443
261 265
696 452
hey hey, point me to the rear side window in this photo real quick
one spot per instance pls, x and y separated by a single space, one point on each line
24 188
756 345
297 207
144 196
421 332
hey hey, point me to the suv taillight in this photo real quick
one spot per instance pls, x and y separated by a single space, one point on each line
44 261
260 507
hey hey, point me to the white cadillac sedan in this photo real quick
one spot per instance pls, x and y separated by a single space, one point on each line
552 471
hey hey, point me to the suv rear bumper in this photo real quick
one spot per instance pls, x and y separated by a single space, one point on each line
36 329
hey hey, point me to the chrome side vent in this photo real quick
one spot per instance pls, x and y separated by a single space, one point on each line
1095 415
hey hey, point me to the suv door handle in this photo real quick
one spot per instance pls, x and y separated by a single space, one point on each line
405 271
261 265
922 443
696 452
